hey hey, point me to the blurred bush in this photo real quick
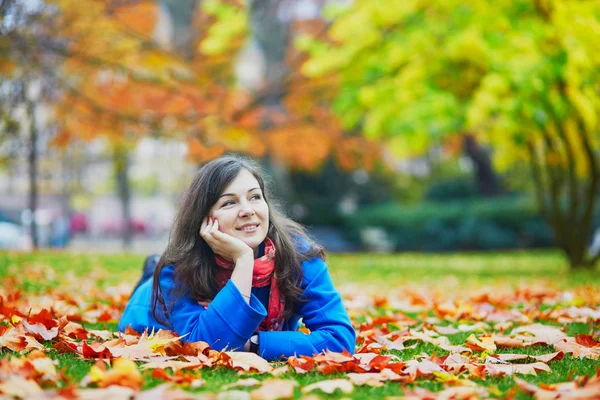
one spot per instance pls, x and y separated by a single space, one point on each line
477 224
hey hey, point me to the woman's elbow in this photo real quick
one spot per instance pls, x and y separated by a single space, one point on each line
342 339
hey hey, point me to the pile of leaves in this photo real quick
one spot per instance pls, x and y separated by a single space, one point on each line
421 344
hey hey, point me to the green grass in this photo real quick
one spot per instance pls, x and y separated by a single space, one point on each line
445 272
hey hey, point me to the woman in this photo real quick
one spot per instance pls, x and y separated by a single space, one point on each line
239 275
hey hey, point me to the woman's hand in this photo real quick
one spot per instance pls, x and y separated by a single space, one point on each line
222 244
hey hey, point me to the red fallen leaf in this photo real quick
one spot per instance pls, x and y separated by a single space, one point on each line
68 392
40 330
8 310
75 331
44 317
301 365
105 317
380 301
334 357
179 377
95 350
66 347
587 340
129 331
380 363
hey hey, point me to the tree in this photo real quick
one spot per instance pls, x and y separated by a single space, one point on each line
522 76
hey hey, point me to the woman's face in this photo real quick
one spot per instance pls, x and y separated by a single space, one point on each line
242 211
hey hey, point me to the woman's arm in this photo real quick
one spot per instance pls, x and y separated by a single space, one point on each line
228 321
323 314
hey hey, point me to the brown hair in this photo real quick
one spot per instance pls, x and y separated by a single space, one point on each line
193 259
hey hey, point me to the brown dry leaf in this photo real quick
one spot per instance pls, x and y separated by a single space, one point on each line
582 389
334 357
175 365
331 386
275 389
542 334
105 335
425 367
12 339
75 331
248 361
568 345
510 369
505 341
546 358
587 340
510 357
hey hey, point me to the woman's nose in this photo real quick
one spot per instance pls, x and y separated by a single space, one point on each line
246 209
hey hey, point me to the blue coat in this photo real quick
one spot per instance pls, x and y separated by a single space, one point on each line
229 321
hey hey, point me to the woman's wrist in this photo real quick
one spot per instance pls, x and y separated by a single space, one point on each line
245 257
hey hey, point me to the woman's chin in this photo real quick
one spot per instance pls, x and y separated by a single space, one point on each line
253 242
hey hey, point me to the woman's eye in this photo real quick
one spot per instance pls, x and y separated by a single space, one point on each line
256 197
227 203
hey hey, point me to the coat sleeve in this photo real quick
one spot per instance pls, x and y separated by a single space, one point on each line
227 323
323 314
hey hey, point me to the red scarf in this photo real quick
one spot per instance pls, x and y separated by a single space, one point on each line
263 275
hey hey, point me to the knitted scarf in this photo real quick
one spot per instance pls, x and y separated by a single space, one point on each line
263 275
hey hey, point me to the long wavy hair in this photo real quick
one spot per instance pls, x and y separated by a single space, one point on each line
193 259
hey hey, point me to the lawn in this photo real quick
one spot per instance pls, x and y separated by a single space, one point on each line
431 323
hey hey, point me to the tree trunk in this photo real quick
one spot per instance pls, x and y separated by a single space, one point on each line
33 170
181 16
272 34
121 159
486 179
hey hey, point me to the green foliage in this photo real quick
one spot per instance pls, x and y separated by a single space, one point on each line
413 72
500 223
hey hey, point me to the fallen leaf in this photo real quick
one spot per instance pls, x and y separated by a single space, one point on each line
510 369
241 382
248 361
275 389
17 386
331 386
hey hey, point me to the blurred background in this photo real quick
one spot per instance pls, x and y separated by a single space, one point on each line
384 125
